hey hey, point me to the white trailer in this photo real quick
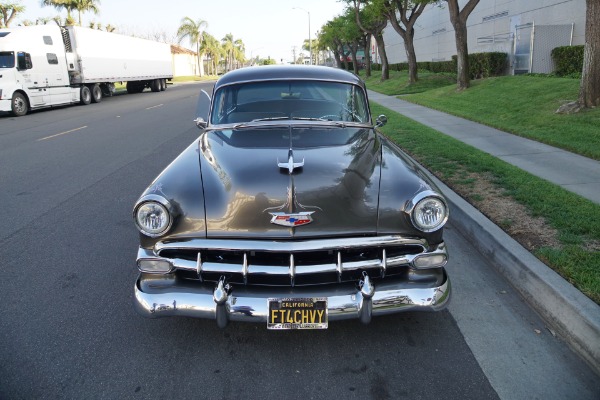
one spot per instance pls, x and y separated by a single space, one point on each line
47 65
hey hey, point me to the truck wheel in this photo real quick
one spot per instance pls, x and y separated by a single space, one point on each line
96 93
19 105
163 85
155 85
85 95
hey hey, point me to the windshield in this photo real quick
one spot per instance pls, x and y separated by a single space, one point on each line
303 100
7 59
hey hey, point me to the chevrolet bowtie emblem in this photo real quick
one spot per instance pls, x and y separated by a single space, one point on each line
291 220
290 165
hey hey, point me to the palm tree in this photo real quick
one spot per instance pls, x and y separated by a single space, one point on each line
86 5
80 6
235 50
193 30
61 5
239 51
8 12
213 50
228 46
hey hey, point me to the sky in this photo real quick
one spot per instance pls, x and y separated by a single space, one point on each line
268 28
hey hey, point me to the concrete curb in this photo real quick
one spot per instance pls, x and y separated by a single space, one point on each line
569 312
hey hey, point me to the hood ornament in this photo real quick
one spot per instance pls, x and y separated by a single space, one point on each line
290 165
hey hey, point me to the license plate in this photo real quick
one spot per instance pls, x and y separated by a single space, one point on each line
301 313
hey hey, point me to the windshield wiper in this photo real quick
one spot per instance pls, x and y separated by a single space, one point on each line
269 119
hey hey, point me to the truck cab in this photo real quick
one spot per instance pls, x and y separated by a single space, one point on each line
33 69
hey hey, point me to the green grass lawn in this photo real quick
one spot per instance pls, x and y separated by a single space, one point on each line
575 219
522 105
398 82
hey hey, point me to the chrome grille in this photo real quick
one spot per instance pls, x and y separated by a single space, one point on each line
293 263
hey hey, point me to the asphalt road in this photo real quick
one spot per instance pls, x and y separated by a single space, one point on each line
68 180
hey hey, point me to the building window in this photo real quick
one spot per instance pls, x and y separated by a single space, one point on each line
498 15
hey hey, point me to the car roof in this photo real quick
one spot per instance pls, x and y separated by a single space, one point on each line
288 72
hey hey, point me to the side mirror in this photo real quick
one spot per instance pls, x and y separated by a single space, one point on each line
380 121
202 110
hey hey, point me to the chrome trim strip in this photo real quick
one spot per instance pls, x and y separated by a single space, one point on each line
292 270
250 305
287 246
340 266
245 269
199 266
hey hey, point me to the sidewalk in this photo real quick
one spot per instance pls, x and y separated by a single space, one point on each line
573 315
573 172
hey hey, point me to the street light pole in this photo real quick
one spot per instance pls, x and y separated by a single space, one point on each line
309 36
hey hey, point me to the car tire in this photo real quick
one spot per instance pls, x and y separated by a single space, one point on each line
96 93
85 96
19 105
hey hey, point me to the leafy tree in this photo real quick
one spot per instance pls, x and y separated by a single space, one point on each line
402 15
8 11
589 90
329 38
371 18
458 18
193 30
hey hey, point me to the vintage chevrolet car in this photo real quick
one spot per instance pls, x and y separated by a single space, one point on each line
290 209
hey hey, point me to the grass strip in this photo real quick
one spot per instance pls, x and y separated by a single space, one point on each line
577 258
522 105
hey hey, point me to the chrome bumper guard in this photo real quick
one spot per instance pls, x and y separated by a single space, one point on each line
166 295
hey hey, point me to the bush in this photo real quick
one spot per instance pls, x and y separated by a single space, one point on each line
568 60
484 65
481 65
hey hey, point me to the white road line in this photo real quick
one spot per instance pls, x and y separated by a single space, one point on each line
150 108
62 133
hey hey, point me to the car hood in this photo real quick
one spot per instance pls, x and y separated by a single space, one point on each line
254 176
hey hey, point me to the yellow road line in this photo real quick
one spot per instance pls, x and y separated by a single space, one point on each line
62 133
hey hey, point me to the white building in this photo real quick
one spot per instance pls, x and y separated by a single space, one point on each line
184 61
526 30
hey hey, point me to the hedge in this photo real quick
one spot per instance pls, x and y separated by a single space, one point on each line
568 60
481 65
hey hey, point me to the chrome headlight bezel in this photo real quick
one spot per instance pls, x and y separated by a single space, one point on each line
415 204
163 205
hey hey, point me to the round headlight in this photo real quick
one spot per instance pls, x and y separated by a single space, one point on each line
430 214
152 218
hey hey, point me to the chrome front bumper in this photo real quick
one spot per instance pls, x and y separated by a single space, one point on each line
166 295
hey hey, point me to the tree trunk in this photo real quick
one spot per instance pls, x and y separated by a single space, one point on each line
354 50
409 47
385 68
338 58
589 90
458 18
367 50
201 63
463 80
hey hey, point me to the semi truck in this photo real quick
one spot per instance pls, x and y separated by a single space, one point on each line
48 65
